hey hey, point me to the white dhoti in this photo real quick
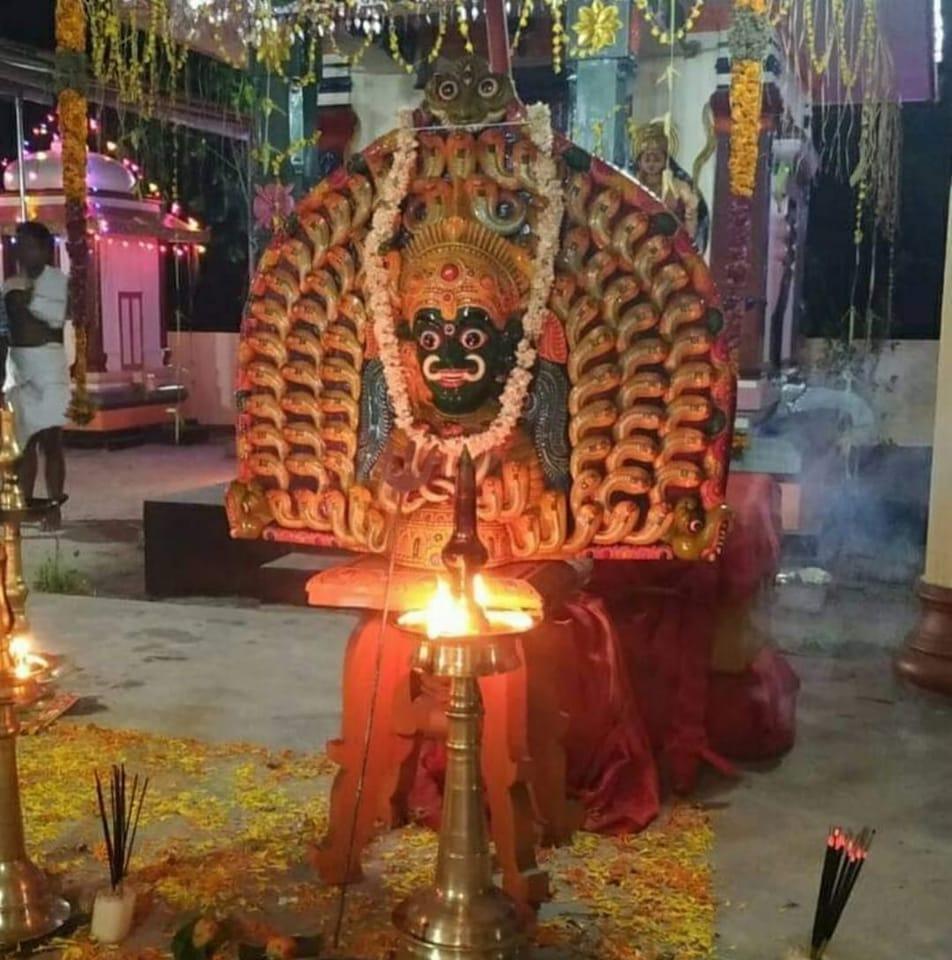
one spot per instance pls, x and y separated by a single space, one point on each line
38 388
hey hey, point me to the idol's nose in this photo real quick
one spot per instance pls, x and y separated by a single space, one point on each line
453 353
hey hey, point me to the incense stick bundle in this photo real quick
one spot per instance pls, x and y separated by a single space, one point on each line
844 858
120 822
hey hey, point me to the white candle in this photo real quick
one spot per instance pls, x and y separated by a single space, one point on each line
112 914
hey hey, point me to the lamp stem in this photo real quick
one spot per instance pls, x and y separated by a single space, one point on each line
464 863
17 590
28 908
12 846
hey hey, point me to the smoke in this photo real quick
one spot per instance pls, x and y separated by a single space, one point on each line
864 508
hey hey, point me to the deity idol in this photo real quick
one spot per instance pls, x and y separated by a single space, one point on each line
475 279
653 152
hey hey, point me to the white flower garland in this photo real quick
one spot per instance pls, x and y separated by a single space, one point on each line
384 224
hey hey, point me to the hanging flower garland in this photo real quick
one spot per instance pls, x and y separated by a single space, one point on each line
819 62
780 11
145 58
664 34
383 226
71 106
749 41
525 12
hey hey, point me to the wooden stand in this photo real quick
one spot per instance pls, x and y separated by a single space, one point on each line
523 759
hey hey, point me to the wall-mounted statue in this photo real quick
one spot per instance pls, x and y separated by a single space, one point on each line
653 151
475 278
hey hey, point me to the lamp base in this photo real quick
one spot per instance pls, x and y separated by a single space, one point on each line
926 658
28 909
484 927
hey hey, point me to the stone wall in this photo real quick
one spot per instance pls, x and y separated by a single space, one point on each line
207 363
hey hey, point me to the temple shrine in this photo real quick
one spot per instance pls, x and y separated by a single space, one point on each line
474 479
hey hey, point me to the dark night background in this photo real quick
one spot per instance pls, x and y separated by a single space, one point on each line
208 193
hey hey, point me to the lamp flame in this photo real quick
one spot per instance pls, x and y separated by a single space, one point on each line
25 663
448 614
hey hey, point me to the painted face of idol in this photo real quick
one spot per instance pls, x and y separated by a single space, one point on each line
464 360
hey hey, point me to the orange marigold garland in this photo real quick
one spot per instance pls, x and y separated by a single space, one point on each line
71 106
70 25
745 125
749 40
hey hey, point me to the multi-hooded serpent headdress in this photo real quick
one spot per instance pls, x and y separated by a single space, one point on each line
623 440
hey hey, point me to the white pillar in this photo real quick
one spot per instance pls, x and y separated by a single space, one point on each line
939 542
926 658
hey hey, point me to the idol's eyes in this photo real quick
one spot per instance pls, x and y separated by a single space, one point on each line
429 340
488 87
472 338
447 89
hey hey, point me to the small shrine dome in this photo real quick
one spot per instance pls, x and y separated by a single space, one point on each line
44 171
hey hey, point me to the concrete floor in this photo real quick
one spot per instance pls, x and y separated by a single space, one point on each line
868 752
264 676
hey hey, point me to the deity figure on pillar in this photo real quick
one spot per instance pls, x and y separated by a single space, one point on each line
474 279
653 152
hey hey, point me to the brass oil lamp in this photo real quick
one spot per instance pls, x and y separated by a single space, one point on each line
463 915
28 908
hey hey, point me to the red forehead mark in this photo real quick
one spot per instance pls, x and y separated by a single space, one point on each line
450 272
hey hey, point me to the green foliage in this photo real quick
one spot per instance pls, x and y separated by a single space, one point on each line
852 350
53 576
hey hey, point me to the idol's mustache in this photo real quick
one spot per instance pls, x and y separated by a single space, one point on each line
455 376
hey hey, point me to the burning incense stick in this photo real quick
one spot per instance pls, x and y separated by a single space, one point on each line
827 876
844 858
121 823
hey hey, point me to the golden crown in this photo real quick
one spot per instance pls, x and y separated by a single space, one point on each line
653 134
457 263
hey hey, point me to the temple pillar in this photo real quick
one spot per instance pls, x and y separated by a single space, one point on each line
96 359
926 658
336 119
600 89
740 236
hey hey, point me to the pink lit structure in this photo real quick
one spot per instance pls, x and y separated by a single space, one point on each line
132 242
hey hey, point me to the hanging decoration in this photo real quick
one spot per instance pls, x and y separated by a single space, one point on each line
525 12
273 204
596 28
779 11
749 42
853 72
140 46
663 32
71 106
